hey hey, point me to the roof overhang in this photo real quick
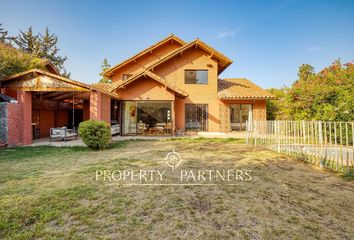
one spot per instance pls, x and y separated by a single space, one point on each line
178 92
36 80
172 38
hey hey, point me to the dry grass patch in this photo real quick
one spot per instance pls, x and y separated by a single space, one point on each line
48 192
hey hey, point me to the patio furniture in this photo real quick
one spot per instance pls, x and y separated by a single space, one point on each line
115 129
168 128
142 128
160 128
179 132
62 133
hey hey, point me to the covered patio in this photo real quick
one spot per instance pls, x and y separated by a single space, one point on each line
49 101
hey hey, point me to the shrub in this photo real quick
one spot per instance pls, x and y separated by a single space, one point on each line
95 134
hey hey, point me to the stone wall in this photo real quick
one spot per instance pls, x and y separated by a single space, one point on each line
3 122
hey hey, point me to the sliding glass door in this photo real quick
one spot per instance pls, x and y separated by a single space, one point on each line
147 117
239 115
129 117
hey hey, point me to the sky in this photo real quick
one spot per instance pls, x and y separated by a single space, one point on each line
267 40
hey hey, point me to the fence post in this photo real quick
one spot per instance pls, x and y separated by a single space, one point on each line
320 140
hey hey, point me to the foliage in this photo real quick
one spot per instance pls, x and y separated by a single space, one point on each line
105 65
95 134
327 95
13 61
42 46
4 37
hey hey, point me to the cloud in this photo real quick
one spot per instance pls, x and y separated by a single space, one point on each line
311 49
228 33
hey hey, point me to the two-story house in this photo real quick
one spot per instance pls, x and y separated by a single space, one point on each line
173 85
170 87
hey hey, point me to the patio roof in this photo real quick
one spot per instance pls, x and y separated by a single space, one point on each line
37 80
241 88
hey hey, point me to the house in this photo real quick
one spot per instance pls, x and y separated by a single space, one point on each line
170 87
173 85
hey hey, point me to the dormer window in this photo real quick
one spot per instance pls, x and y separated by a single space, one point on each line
196 77
126 76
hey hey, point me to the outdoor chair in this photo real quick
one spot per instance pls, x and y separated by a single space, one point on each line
142 128
62 133
115 128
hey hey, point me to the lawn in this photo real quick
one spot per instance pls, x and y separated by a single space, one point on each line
49 192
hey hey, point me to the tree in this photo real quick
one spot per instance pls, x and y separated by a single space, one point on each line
28 42
49 50
13 61
105 65
4 37
326 95
42 46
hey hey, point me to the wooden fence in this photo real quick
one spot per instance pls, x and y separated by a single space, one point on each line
328 144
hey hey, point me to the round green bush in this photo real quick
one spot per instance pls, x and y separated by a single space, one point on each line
95 134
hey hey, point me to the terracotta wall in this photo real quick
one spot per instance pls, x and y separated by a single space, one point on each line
100 106
14 124
145 89
25 101
174 71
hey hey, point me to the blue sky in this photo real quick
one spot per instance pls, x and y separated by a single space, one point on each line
267 40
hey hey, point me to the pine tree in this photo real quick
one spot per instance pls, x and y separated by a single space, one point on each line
28 42
42 46
49 50
4 37
105 65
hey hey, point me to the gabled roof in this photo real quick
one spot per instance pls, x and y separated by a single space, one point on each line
151 48
120 84
60 78
51 67
241 88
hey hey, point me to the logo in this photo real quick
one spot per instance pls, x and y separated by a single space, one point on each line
173 159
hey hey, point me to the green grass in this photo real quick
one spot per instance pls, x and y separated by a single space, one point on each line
51 193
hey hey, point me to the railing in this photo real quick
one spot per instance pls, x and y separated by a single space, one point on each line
328 144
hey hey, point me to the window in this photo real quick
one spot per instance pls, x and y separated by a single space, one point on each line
126 76
196 117
239 115
196 77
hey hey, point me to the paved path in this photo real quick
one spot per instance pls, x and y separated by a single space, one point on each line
78 142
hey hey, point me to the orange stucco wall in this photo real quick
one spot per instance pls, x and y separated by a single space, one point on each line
145 89
14 124
25 101
174 70
100 106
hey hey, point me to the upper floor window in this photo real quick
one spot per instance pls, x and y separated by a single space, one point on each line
196 77
126 76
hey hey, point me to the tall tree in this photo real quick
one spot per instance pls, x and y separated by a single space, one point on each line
49 50
28 42
42 46
104 66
